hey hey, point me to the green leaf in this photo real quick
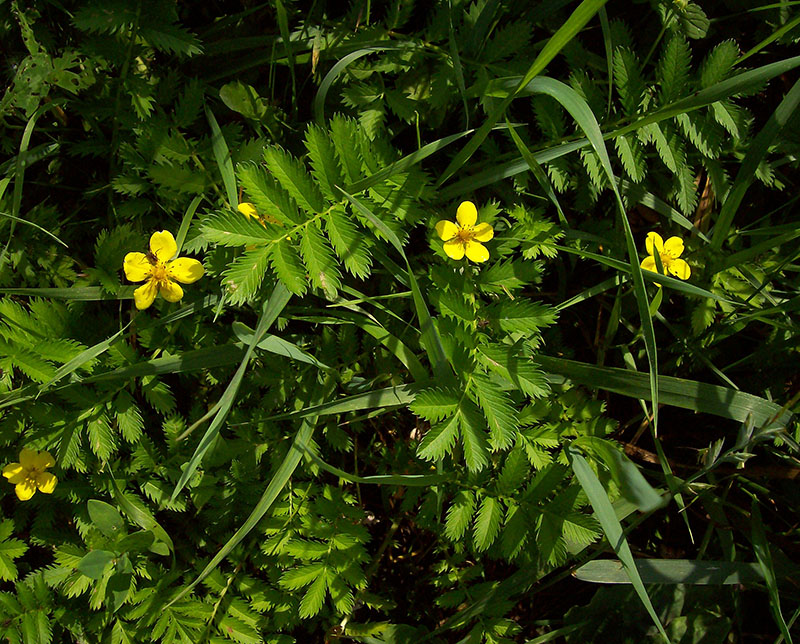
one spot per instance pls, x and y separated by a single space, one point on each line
95 562
324 164
10 549
140 541
129 417
514 473
631 155
171 38
106 518
314 597
487 523
524 374
101 437
234 229
473 435
435 404
269 199
244 275
499 412
669 148
345 135
439 440
520 315
288 267
302 576
350 243
244 99
628 80
292 176
459 515
320 261
693 20
454 305
687 190
719 63
674 66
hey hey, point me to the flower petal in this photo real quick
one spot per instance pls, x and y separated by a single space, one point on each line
446 230
482 232
185 269
15 473
653 241
25 489
27 458
476 251
137 267
680 269
145 294
673 247
649 264
248 210
467 214
454 249
46 482
163 246
171 291
44 460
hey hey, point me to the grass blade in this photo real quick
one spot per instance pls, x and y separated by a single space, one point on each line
272 308
757 151
761 547
686 394
429 335
604 512
223 157
577 20
273 489
672 571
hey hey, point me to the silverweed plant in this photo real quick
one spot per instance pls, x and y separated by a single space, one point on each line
491 332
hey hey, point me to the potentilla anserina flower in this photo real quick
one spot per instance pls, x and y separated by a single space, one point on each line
465 237
669 253
161 272
29 474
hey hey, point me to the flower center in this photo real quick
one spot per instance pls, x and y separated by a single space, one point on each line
159 273
665 260
464 235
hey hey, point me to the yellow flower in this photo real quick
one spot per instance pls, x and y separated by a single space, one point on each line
248 210
29 474
669 252
160 270
464 237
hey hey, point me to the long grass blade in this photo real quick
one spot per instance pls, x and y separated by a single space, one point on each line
672 571
222 155
686 394
757 151
612 528
583 13
761 547
273 489
272 308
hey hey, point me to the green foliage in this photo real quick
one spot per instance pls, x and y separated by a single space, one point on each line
339 431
